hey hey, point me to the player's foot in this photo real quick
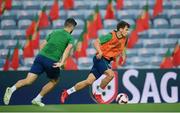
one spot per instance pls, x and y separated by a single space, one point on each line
38 103
7 95
64 96
98 98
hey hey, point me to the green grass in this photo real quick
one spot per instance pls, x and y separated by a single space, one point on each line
94 108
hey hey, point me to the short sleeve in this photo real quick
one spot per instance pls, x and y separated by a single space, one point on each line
71 40
48 37
105 38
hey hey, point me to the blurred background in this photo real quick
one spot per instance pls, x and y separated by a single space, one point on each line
153 36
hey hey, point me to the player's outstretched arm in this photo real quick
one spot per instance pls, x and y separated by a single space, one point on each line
97 47
124 56
64 57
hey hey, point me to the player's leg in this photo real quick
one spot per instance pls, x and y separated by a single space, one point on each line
31 77
78 86
109 76
46 89
53 75
103 67
36 69
49 86
81 85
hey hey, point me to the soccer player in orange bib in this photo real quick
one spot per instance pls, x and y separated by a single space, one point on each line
108 47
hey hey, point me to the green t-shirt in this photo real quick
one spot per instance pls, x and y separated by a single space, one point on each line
57 42
105 38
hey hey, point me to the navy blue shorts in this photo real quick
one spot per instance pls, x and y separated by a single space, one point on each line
43 64
100 66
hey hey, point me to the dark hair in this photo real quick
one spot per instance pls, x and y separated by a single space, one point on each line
70 22
122 24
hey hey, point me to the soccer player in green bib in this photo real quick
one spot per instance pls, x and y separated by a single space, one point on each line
53 53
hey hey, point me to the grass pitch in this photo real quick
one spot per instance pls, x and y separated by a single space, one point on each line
94 108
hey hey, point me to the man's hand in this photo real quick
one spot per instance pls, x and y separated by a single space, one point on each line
99 55
122 59
97 47
58 64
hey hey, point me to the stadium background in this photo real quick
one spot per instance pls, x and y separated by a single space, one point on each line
153 41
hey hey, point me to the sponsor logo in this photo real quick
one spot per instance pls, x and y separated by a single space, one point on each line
158 88
109 93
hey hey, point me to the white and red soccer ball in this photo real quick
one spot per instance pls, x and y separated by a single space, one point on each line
122 98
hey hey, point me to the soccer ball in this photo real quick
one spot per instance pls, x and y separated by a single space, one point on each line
122 98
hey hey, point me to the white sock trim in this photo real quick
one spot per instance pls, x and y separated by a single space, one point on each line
71 90
13 88
38 98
